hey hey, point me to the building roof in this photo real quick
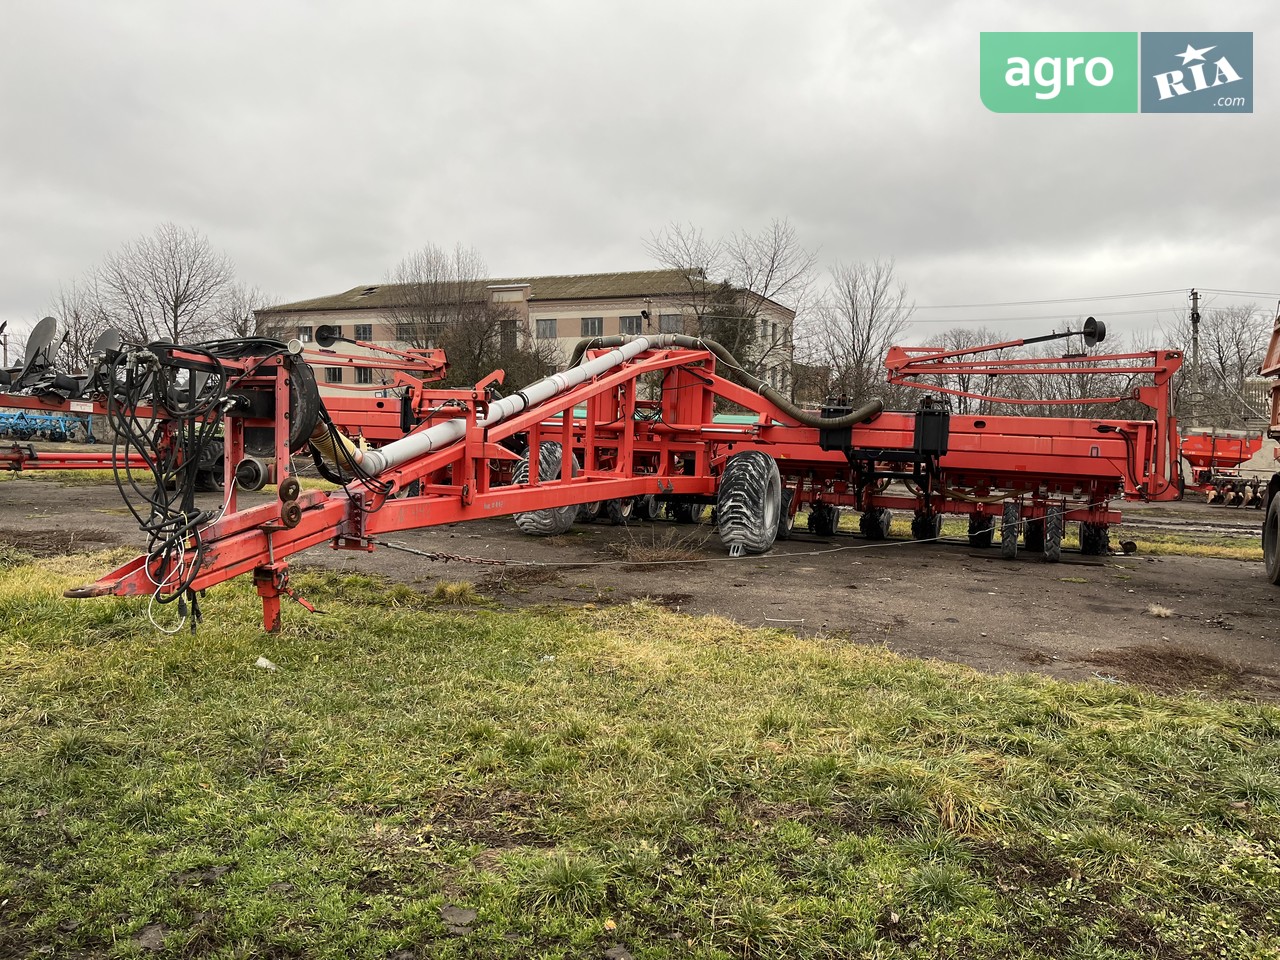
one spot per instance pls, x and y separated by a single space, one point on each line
580 286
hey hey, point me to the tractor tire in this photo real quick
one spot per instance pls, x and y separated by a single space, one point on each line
1033 535
1053 534
648 507
620 512
926 527
824 519
210 480
874 524
1010 520
1094 539
412 489
209 470
748 502
553 520
682 512
588 512
1271 540
982 528
786 519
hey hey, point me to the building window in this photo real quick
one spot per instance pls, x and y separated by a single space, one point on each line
363 375
332 374
592 326
631 326
404 332
364 331
546 330
671 323
305 334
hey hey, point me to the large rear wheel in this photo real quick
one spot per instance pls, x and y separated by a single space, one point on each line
553 520
748 502
1271 540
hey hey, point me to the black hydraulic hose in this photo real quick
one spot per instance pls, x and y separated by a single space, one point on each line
867 411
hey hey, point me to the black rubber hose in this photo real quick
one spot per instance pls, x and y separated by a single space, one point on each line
867 411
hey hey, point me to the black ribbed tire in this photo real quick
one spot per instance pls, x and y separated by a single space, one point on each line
982 530
209 471
648 507
1009 523
875 524
824 519
1053 525
748 502
1033 535
786 519
621 511
553 520
1095 541
1271 540
588 512
926 526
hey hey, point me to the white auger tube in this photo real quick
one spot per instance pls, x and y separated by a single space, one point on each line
443 434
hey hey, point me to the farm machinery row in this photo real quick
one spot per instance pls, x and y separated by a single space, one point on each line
632 419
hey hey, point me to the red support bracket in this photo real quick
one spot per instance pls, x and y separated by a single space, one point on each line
272 581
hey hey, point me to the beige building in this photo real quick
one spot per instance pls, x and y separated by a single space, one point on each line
562 310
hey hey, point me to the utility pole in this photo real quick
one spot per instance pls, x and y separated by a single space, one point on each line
1194 410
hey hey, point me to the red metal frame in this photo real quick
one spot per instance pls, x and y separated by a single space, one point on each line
627 446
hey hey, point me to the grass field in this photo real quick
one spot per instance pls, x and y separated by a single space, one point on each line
422 775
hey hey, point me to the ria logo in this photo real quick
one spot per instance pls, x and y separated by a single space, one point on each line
1197 73
1171 84
1117 72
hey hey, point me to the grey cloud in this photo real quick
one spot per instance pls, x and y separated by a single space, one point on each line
317 143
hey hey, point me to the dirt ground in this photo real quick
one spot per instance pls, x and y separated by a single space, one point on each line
1085 618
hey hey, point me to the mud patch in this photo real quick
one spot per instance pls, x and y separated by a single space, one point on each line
512 580
1170 669
492 819
53 543
672 601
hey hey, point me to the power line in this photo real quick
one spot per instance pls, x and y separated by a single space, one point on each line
1241 293
1154 312
1031 303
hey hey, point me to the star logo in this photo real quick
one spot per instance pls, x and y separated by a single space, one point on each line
1191 53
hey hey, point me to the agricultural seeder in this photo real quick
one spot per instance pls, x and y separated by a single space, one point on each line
631 417
1213 458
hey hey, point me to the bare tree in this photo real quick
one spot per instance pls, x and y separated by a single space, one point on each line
170 285
729 282
442 301
238 313
963 338
863 313
1233 341
80 317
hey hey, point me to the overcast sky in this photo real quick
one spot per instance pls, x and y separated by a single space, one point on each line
319 142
